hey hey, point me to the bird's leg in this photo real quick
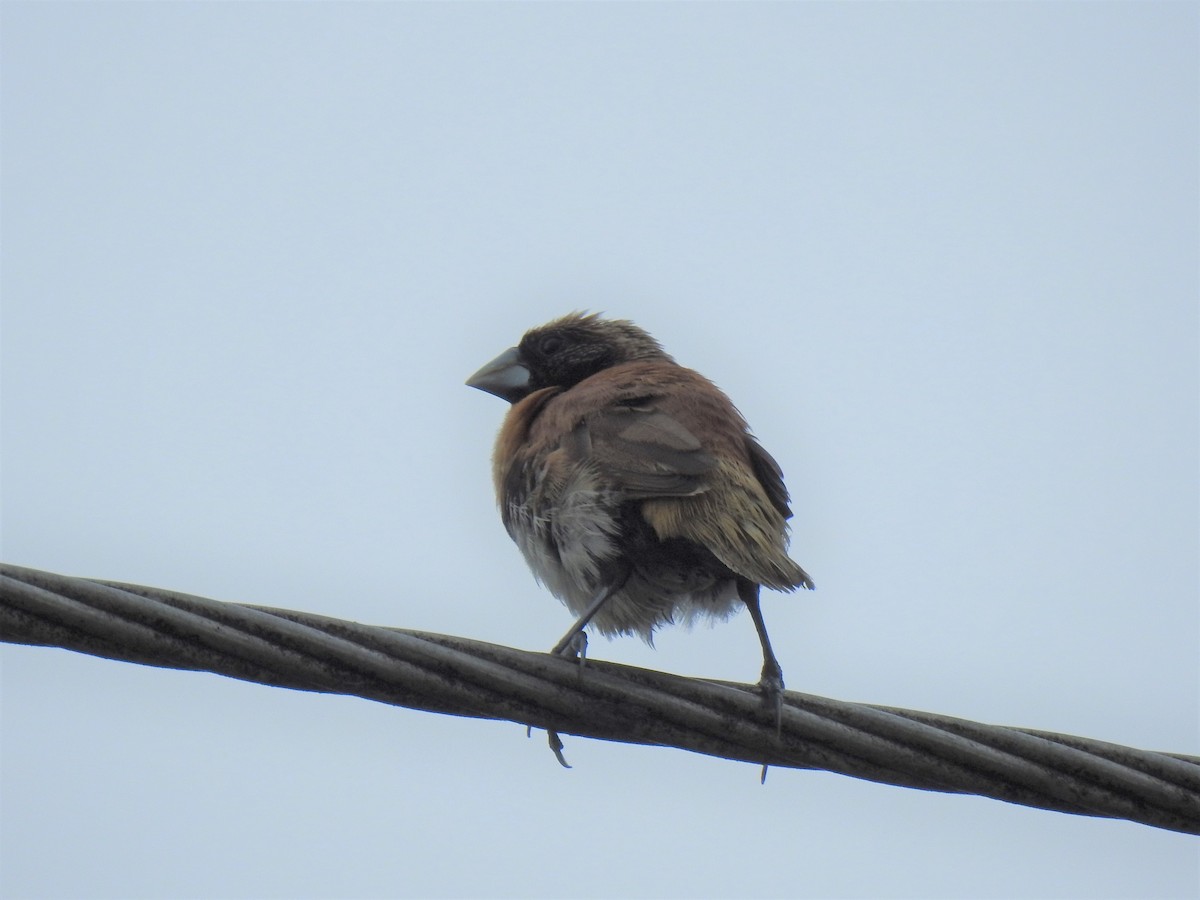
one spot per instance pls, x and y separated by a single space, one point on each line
574 642
771 680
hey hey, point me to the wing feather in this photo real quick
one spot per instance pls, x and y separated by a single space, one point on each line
646 452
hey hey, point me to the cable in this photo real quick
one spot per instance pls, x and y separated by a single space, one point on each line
462 677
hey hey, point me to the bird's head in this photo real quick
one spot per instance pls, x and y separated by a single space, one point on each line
563 353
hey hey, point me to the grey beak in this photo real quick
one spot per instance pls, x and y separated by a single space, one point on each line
505 376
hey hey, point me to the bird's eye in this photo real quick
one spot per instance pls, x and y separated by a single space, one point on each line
551 344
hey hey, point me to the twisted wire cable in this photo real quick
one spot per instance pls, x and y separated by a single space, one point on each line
462 677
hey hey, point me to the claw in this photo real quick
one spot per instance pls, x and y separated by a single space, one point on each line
556 746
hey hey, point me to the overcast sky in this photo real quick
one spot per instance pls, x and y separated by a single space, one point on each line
943 257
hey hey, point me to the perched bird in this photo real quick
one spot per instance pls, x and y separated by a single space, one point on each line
633 486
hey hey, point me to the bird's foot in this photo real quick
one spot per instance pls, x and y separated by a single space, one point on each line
771 685
574 647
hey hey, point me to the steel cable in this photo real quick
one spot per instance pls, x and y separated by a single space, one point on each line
457 676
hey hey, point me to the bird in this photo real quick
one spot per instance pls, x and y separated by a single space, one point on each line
634 488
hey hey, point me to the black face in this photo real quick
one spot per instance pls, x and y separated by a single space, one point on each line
566 355
563 353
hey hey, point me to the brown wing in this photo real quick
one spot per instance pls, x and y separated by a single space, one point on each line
668 437
644 451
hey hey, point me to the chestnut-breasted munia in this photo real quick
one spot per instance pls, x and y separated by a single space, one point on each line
633 485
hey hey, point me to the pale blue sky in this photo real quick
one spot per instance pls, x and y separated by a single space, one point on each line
943 257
